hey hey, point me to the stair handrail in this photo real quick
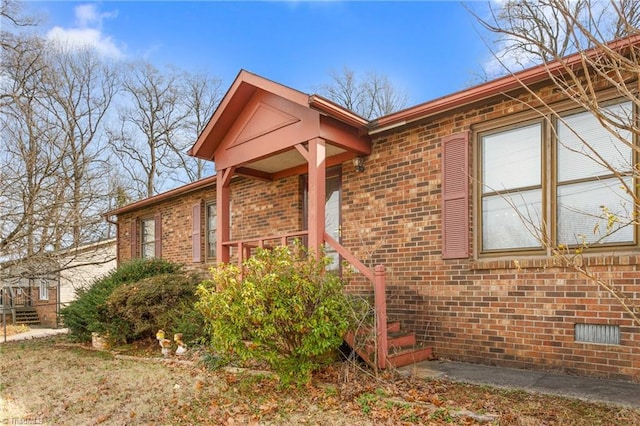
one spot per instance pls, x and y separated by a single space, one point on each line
378 277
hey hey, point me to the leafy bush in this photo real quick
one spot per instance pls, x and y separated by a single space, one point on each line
285 310
88 313
138 310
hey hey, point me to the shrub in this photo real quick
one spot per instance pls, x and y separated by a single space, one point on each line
138 310
285 310
87 313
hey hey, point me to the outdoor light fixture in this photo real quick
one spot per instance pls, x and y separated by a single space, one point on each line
358 164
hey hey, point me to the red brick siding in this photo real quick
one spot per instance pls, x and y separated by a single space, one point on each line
487 311
47 309
176 228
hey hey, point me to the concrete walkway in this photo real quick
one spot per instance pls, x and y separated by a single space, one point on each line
34 333
625 394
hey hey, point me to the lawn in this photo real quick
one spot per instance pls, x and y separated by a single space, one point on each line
51 381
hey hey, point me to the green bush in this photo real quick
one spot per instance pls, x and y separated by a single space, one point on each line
87 313
285 310
138 310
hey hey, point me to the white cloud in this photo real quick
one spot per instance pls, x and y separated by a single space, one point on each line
87 33
595 17
82 38
87 14
507 60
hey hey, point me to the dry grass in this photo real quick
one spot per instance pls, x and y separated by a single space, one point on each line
14 329
53 382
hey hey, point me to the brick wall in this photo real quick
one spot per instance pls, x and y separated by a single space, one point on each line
487 311
47 309
257 209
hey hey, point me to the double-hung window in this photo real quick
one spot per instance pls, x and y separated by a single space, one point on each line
148 238
562 180
511 176
212 227
594 179
44 289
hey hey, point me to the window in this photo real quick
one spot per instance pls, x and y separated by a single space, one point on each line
512 188
148 238
211 230
44 289
585 187
518 183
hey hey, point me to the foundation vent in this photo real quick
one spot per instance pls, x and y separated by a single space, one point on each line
597 333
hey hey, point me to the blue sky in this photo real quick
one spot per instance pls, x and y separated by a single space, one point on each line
428 48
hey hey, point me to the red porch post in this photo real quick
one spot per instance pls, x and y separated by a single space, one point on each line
223 223
317 175
381 316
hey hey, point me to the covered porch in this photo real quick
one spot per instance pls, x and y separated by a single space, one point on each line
268 132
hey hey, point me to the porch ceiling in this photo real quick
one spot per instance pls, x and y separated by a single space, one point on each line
259 123
286 160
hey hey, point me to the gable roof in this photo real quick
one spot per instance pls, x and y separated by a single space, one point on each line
261 127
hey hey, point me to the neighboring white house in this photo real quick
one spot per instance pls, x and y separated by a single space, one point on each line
33 290
83 266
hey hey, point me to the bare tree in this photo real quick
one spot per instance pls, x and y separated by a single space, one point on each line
202 94
529 32
51 113
30 157
12 16
570 41
150 125
163 112
372 96
79 88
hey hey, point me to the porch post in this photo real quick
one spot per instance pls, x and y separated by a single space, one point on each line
223 222
317 182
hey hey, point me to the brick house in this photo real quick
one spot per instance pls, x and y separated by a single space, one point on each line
461 269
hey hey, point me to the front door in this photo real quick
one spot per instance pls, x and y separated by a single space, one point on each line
332 207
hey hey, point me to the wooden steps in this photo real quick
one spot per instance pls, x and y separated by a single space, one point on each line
402 347
26 315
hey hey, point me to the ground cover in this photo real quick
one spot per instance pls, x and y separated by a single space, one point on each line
52 381
11 329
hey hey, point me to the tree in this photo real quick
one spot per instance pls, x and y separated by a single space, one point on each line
163 112
202 94
570 39
53 104
370 97
79 89
12 16
529 32
149 121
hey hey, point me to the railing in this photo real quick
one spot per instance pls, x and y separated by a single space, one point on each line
12 298
243 247
378 277
243 250
15 297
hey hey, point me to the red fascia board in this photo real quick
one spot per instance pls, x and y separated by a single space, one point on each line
493 88
334 110
176 192
243 87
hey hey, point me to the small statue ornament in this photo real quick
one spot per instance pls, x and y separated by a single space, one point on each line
182 348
